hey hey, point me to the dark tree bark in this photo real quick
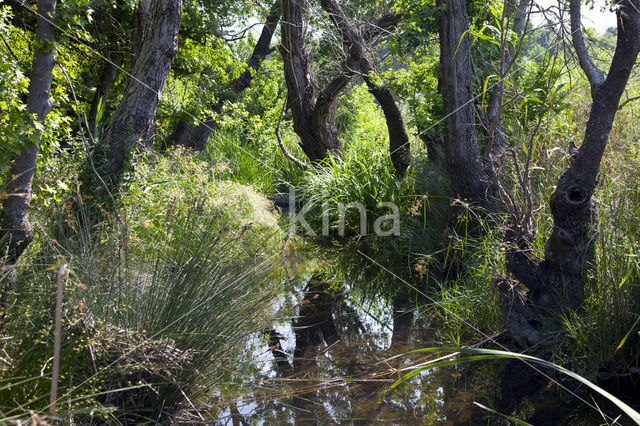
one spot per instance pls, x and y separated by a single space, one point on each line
108 76
399 147
314 117
133 119
558 282
461 151
17 232
196 137
318 135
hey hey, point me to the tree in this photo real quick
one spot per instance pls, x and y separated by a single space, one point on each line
558 281
314 109
133 119
462 154
196 137
17 232
399 148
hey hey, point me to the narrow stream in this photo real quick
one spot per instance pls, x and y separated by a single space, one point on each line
327 361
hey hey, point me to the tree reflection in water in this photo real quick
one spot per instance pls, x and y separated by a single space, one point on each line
339 372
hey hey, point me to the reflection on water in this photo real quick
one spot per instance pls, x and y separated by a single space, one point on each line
331 365
329 362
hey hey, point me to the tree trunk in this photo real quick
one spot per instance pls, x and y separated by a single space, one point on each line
399 147
105 84
318 135
17 232
133 119
195 137
558 282
140 16
495 140
461 151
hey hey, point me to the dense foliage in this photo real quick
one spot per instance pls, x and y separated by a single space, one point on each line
176 259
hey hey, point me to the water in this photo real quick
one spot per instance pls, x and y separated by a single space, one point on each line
333 357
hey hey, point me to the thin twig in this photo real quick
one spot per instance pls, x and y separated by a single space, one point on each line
55 369
628 101
9 48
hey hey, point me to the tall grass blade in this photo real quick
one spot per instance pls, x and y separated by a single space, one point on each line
626 336
510 418
481 354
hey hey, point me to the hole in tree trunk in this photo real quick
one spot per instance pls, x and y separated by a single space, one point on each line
576 195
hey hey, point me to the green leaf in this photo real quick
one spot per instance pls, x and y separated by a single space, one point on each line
624 280
626 336
478 354
484 87
480 34
100 110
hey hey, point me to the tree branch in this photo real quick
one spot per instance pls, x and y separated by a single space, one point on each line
383 25
593 73
628 101
261 50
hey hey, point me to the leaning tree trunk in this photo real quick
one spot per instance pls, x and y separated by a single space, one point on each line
558 281
133 119
317 134
108 77
185 134
462 155
399 147
17 232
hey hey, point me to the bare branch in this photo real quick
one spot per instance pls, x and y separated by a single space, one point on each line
628 101
284 149
381 26
594 74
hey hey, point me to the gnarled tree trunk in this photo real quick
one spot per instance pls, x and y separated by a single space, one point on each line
462 155
133 119
316 129
17 232
195 137
314 117
399 147
558 281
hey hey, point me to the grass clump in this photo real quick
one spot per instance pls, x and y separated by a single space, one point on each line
158 304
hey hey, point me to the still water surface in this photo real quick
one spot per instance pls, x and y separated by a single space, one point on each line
334 355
